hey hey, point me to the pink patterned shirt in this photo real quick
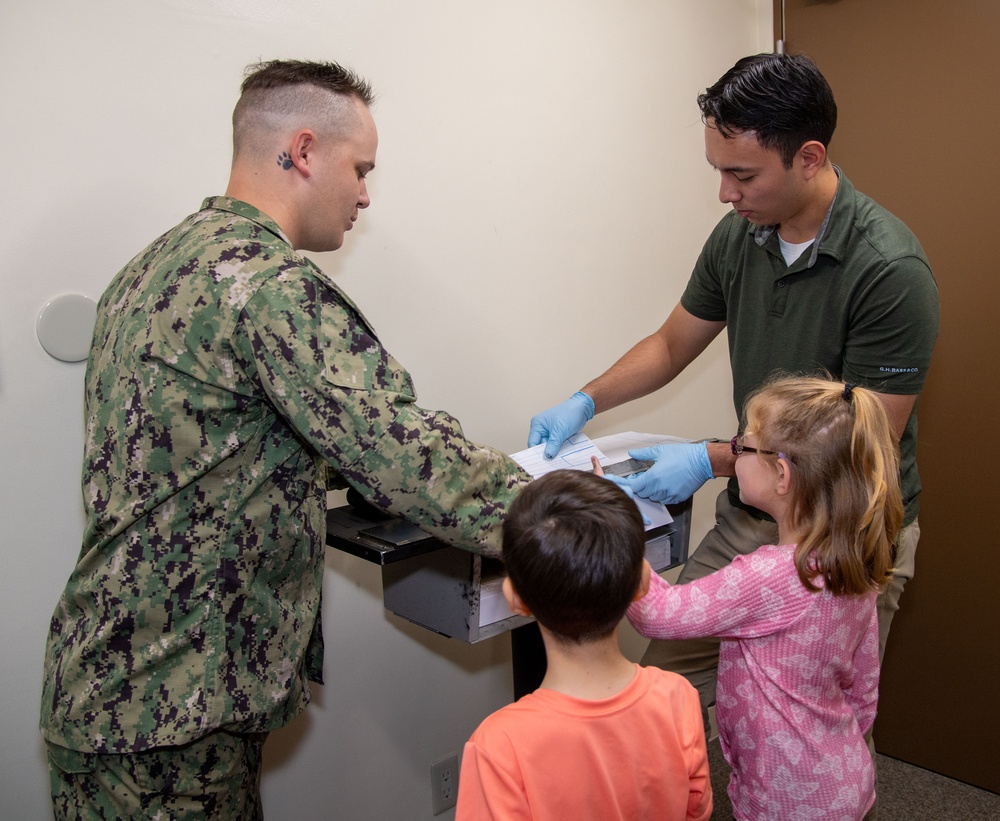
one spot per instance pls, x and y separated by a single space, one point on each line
797 688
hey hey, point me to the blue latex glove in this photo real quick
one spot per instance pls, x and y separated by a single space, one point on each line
679 471
556 425
623 484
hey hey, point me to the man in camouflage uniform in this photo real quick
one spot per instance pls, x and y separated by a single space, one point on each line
226 371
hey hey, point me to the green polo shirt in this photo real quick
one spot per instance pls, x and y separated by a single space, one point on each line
860 303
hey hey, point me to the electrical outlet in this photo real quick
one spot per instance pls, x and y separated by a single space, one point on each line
444 784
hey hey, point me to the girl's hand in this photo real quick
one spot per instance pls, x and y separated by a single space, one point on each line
618 480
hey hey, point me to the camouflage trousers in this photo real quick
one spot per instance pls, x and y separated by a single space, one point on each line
215 777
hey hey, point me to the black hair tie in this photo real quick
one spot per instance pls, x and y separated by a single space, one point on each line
848 389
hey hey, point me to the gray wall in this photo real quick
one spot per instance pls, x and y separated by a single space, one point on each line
540 197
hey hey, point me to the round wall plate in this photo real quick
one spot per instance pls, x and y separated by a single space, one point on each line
65 326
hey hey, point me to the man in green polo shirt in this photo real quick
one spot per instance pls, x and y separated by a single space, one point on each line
806 275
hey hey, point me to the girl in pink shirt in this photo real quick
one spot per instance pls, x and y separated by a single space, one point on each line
798 669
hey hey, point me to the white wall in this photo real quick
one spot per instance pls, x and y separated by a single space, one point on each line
540 197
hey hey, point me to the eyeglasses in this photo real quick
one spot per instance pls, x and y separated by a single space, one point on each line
736 443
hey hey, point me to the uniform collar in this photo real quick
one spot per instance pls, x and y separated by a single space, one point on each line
247 211
832 234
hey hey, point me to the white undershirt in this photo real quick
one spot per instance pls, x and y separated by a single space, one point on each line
791 251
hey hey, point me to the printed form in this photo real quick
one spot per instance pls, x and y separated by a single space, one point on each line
575 455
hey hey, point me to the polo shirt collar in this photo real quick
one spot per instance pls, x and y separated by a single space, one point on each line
839 206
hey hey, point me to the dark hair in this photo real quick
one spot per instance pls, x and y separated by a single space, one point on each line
573 544
782 98
329 76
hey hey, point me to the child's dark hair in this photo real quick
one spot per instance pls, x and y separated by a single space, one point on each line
846 504
573 544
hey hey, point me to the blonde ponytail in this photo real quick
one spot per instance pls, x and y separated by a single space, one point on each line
846 502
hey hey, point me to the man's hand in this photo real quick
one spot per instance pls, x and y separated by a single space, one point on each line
679 471
556 425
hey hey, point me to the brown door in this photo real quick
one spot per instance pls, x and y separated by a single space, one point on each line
917 84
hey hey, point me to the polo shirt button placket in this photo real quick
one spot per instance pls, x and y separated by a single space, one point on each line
780 298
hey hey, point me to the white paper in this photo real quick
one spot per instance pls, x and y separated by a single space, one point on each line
575 455
617 446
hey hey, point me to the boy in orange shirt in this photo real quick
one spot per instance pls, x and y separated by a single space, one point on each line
602 738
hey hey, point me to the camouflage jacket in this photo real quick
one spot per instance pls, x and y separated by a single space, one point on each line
226 371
